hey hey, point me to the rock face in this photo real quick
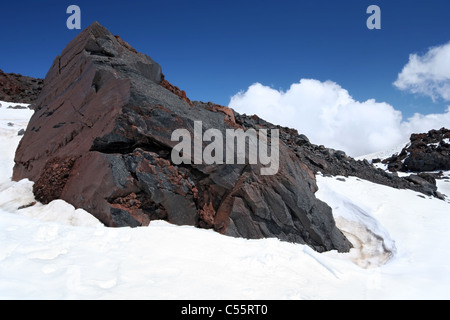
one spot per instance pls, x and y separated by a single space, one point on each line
425 152
100 139
18 88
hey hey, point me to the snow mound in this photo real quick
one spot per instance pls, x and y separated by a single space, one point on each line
18 198
372 244
418 224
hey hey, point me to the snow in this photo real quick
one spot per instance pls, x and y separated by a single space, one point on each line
372 244
437 144
383 154
443 186
56 252
418 225
11 121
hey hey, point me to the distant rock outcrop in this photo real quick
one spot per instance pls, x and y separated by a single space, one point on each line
19 89
425 152
100 139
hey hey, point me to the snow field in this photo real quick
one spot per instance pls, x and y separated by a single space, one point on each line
57 252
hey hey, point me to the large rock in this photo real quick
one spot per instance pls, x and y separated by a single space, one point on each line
101 139
426 152
335 162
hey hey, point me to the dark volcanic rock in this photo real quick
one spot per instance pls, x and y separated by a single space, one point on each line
425 183
334 162
18 88
101 140
425 152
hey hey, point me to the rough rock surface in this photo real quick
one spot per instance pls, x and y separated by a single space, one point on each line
100 139
18 88
336 162
425 152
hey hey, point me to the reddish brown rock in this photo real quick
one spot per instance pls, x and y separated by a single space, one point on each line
54 176
18 88
125 44
230 119
174 89
101 140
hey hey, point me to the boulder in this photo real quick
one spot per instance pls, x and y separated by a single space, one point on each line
424 182
101 139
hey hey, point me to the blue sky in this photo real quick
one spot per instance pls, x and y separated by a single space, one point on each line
214 49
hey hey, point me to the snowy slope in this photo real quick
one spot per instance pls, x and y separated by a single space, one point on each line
418 225
57 252
384 153
11 121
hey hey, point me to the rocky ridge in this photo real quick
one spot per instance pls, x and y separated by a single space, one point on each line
18 88
106 115
336 163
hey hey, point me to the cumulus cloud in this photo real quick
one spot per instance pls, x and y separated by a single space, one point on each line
428 74
328 115
423 123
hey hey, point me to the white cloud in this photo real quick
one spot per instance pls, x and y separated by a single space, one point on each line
423 123
328 115
428 74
